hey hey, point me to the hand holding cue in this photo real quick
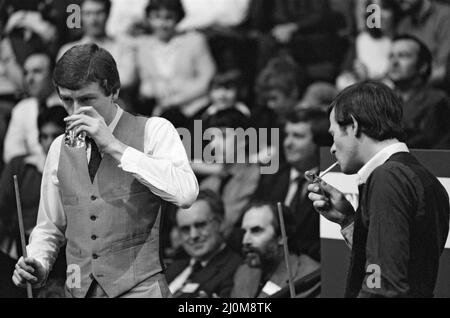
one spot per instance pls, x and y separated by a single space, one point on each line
286 250
22 231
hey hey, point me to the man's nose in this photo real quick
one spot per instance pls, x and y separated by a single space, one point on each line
246 240
333 149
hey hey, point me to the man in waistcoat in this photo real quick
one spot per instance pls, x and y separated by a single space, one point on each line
400 228
105 200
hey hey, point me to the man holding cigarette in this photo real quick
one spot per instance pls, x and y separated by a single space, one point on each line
105 200
402 221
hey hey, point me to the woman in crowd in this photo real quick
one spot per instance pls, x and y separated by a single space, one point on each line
175 69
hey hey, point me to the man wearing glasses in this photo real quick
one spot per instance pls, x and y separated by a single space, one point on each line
209 268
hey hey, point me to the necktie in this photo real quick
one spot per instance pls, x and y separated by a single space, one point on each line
196 268
95 160
298 197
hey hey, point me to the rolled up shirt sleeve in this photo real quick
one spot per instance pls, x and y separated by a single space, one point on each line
48 235
163 167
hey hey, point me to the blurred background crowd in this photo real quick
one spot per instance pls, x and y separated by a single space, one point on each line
230 63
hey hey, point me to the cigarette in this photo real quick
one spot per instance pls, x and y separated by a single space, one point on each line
329 170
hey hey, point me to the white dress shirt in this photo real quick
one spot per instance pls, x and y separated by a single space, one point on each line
364 173
22 137
206 13
163 167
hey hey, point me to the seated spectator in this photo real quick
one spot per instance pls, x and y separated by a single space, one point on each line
369 57
175 69
318 95
238 178
426 110
305 132
279 88
209 269
264 272
308 30
429 21
94 16
226 93
22 135
28 169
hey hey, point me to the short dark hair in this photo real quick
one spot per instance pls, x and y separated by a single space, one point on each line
47 54
283 74
319 121
228 118
86 64
374 106
169 5
425 57
106 4
214 201
54 115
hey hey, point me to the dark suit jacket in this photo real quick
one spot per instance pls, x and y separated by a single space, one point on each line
215 278
274 188
247 279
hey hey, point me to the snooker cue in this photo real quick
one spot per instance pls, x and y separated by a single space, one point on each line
22 231
286 250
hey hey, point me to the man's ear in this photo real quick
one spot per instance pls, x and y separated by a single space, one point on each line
116 95
355 128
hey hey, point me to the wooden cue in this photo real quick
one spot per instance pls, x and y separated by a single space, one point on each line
22 231
286 250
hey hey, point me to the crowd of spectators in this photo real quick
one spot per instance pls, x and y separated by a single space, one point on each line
231 64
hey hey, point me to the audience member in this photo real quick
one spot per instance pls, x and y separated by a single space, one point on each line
226 93
175 69
305 132
309 31
369 56
94 17
429 21
426 110
28 169
318 95
264 272
211 264
238 178
22 135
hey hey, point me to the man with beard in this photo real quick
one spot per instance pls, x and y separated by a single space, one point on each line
264 272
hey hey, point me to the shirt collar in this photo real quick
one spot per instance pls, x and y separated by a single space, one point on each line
380 158
116 119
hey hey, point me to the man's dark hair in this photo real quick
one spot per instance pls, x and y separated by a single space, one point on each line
228 118
425 57
282 74
106 4
86 64
374 106
319 121
214 202
54 115
47 54
170 5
